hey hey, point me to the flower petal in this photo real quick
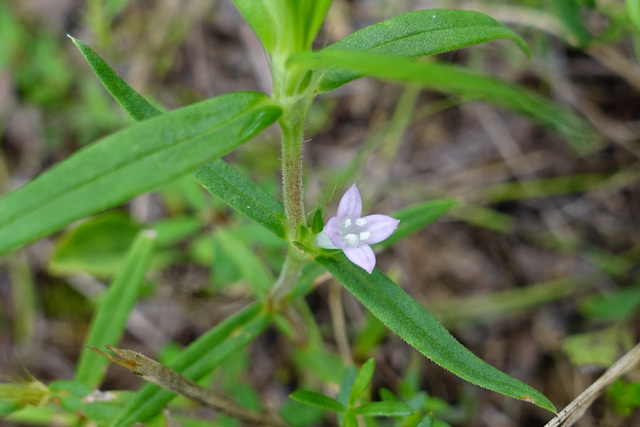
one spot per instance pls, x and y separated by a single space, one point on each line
362 256
380 227
332 230
351 204
323 241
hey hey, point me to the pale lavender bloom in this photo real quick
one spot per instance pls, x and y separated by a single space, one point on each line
353 233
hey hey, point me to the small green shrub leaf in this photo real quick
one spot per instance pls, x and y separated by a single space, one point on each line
419 33
384 409
414 218
362 380
243 195
413 323
455 80
133 161
197 360
318 400
260 16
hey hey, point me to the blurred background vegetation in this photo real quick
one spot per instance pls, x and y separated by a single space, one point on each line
536 269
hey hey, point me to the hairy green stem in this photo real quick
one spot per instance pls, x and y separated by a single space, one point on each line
292 127
288 276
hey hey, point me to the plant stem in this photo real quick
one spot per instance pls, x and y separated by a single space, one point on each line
292 126
288 276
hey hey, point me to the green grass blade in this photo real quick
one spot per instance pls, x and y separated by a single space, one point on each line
251 268
114 308
243 195
455 80
133 161
415 218
198 360
419 33
413 323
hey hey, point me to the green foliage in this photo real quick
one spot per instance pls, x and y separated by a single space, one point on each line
624 396
599 348
413 323
418 33
97 246
131 162
197 360
450 79
114 308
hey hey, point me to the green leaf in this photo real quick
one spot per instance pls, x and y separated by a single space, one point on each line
217 177
317 223
416 217
243 195
419 33
199 359
317 399
133 161
413 323
317 14
252 269
633 9
130 100
384 409
451 79
614 306
362 380
599 348
260 16
98 246
569 14
110 319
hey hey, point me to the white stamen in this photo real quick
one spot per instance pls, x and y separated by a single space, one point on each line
361 222
365 235
351 240
347 223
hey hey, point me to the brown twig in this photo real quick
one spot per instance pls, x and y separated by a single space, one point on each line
572 412
155 372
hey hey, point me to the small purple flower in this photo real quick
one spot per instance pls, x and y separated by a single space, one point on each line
353 233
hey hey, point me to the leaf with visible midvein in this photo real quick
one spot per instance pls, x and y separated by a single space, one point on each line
199 359
243 195
412 322
133 161
450 79
217 177
419 33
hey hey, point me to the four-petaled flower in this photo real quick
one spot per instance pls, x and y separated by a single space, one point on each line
353 233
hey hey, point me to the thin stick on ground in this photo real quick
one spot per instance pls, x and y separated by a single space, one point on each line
572 412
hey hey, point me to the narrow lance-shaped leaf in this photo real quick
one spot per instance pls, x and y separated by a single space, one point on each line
243 195
413 323
260 16
316 399
419 33
133 161
217 177
450 79
114 308
199 359
416 217
130 100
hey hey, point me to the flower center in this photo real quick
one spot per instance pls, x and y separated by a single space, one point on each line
353 234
